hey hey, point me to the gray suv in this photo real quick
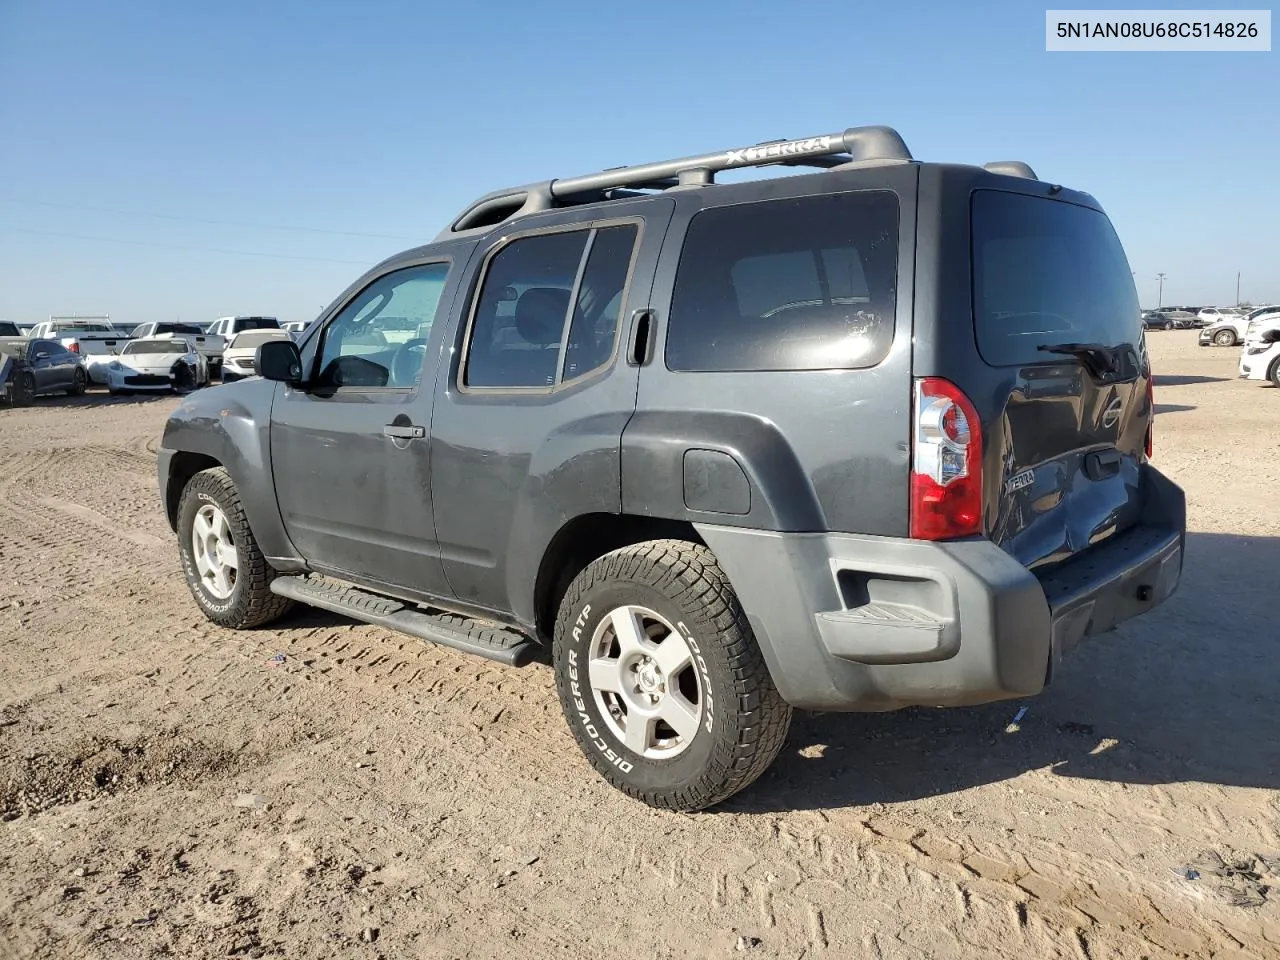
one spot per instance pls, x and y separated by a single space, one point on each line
870 436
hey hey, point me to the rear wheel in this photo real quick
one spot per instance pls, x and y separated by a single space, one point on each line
226 571
1225 338
1274 373
661 680
79 382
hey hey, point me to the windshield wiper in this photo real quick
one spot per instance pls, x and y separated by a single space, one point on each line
1098 357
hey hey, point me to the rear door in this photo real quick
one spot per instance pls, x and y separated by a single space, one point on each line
1056 320
528 423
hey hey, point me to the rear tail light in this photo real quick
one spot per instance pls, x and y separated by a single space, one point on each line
1151 415
74 347
946 463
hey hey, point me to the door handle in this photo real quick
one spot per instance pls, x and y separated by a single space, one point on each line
399 432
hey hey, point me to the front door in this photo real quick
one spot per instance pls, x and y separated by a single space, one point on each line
530 413
351 450
53 365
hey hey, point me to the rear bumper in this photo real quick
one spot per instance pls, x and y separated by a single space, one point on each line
851 622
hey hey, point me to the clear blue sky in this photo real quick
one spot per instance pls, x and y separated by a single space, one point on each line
216 126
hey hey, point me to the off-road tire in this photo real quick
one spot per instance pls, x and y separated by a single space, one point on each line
1225 338
23 391
683 583
79 383
251 604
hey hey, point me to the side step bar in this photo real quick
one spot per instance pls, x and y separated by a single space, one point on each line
482 638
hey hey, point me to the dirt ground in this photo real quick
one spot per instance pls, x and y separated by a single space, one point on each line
172 789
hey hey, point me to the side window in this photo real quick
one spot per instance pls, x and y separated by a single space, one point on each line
593 332
800 284
532 288
379 339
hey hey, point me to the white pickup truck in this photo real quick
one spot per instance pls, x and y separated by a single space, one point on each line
95 339
208 345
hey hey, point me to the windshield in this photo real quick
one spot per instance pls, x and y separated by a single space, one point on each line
179 328
156 346
1047 273
257 323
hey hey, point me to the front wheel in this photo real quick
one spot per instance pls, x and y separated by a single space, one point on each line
79 382
1274 373
661 680
1225 338
226 571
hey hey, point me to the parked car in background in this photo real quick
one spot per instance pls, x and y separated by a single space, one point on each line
209 345
1156 320
29 368
1260 358
1211 315
238 360
1182 319
1226 332
1258 319
157 363
296 328
228 327
94 340
11 332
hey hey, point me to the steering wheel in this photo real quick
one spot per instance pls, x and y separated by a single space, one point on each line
406 364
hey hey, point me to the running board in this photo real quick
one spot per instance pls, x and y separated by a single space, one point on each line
479 637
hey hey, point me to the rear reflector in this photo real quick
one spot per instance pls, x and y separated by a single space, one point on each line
1151 413
946 463
74 347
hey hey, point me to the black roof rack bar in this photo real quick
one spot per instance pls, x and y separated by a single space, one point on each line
856 143
1011 168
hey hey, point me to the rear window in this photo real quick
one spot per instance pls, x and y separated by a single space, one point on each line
1045 273
257 323
179 328
256 338
155 346
797 284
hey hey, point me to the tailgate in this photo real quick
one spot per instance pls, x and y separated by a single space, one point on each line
1058 326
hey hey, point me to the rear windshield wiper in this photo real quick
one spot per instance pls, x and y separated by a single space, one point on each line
1098 357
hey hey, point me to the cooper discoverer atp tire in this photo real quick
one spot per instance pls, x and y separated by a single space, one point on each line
661 680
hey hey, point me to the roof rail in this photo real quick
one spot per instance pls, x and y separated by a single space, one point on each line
855 145
1011 168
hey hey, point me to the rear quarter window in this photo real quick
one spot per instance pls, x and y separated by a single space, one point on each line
798 284
1047 272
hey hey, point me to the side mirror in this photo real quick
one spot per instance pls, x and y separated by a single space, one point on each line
1271 336
279 360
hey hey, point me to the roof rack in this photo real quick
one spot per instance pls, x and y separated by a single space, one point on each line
855 145
833 151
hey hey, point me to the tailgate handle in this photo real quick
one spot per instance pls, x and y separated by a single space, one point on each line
1102 464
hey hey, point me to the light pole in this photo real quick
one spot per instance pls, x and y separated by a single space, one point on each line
1160 295
1237 288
